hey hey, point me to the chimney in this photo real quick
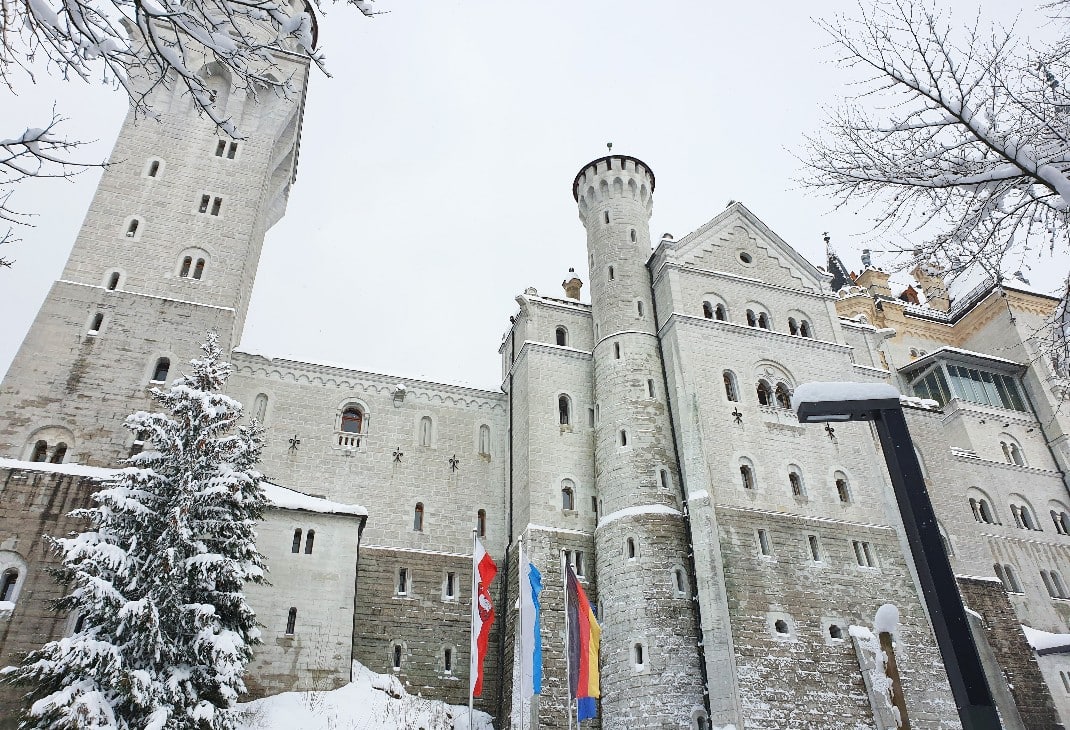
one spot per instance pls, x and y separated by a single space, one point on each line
931 278
572 285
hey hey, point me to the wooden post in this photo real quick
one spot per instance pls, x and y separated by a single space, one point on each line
891 670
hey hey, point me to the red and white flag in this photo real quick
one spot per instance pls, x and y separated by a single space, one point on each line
482 613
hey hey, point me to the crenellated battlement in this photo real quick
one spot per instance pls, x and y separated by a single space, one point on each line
613 177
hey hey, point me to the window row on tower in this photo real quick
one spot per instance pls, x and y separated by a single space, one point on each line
795 482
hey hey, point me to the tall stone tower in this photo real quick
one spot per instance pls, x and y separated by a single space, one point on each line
168 250
651 676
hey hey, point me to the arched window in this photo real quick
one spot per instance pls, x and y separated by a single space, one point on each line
720 313
159 373
131 228
793 326
1062 521
1023 517
562 336
484 440
564 410
291 621
397 657
765 393
309 539
187 263
154 168
637 651
795 481
40 451
783 396
731 389
425 431
842 490
663 479
418 517
746 472
481 523
982 511
79 623
707 310
763 320
59 452
623 437
8 581
96 324
198 270
679 581
296 546
568 495
1016 455
752 318
804 329
629 548
260 407
352 419
113 281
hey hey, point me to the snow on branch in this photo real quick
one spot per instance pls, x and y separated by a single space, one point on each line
960 130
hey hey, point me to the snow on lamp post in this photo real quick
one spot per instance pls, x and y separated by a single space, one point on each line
879 404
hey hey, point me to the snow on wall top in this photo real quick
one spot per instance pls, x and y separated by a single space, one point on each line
646 509
819 392
1045 642
279 496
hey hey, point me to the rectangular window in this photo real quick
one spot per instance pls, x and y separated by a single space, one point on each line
217 203
590 417
232 149
594 504
205 202
578 565
864 554
764 547
403 582
815 548
220 148
451 585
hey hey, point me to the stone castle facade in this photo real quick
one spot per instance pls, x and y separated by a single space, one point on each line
646 436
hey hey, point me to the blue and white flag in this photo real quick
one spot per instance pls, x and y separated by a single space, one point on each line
530 634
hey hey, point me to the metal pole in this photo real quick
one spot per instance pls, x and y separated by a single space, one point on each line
473 664
568 658
951 625
519 632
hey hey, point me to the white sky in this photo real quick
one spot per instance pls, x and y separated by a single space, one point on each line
436 165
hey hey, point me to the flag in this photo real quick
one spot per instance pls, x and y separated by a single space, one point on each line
484 571
584 636
530 632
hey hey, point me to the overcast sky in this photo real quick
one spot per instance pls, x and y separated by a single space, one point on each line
436 165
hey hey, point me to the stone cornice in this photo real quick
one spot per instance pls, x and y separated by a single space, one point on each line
711 274
295 371
693 321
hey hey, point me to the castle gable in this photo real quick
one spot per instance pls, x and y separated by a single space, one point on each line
737 242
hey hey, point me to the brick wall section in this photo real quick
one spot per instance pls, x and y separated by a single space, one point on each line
33 504
1015 656
422 622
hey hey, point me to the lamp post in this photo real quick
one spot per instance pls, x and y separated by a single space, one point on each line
879 404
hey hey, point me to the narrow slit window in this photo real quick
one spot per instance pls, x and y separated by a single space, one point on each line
113 281
841 490
291 621
611 274
804 329
815 548
763 321
639 308
40 451
159 373
764 547
796 484
481 523
131 229
310 538
187 263
7 584
638 650
747 474
707 310
403 581
630 548
198 270
650 388
296 546
451 585
731 390
397 657
232 150
623 437
98 322
447 660
217 203
425 431
568 496
206 200
154 168
616 350
220 148
564 410
562 336
418 517
632 235
605 216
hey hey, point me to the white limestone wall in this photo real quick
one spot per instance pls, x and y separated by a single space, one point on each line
317 655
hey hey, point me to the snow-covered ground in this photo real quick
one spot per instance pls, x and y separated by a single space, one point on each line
370 702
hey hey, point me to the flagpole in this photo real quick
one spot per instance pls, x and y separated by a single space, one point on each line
568 657
472 648
520 626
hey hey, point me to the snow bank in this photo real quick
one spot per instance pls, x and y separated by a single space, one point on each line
278 496
1045 642
370 702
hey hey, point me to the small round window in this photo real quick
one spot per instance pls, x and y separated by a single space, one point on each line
745 257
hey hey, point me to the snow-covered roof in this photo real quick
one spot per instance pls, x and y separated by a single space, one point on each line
279 496
967 356
1046 642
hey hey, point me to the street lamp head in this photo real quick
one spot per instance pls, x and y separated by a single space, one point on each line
822 402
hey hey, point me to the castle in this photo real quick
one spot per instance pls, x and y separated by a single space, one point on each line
647 437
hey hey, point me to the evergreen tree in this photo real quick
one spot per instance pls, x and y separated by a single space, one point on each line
157 578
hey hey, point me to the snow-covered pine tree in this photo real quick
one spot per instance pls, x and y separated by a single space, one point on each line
164 631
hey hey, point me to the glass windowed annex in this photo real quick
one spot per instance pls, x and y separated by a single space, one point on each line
944 381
